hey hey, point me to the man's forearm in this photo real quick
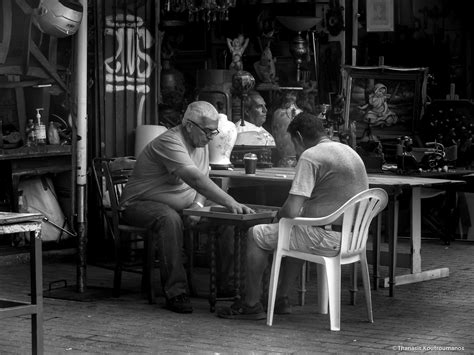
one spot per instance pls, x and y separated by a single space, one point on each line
292 207
206 187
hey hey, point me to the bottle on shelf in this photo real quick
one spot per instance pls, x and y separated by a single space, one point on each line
53 134
30 133
40 128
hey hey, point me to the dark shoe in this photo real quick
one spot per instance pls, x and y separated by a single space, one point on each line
240 310
180 304
282 306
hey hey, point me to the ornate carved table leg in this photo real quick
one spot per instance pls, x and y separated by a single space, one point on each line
212 283
237 263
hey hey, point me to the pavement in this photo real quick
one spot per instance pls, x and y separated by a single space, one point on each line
435 316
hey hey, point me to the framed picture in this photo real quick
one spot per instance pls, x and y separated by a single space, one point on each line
380 16
387 100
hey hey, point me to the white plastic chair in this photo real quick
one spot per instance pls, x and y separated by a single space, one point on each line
357 214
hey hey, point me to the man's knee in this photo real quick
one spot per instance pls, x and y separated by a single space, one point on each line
251 239
170 220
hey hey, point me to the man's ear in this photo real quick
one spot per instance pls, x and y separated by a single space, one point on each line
246 113
187 127
300 137
297 140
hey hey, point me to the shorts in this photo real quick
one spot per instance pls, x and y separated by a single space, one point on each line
307 239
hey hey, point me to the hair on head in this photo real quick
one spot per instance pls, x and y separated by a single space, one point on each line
309 126
200 112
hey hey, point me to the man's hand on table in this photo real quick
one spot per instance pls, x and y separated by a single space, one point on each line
240 208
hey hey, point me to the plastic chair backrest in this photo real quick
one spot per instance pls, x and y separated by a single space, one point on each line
358 213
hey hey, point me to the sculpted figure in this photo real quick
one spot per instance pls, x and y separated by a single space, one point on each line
265 67
237 47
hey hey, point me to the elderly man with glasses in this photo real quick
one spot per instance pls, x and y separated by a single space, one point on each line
172 173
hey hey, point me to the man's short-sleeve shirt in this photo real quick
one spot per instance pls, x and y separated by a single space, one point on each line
260 137
154 177
328 174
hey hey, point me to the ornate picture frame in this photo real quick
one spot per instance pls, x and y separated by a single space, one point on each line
380 16
388 100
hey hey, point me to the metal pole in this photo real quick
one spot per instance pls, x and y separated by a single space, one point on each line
81 124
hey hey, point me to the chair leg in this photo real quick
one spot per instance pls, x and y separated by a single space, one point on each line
273 287
354 288
118 266
302 290
190 267
323 297
149 268
364 268
333 271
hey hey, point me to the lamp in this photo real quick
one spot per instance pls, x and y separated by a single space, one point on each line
242 82
298 45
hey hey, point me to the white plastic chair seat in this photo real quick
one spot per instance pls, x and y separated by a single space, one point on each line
357 214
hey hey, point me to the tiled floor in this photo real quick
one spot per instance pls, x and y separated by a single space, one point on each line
422 316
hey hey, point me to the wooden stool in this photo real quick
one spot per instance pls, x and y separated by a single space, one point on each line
27 222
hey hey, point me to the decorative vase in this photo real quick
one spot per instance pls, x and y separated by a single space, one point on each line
281 119
144 134
220 147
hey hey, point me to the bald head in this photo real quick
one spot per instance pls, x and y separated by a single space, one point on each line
203 113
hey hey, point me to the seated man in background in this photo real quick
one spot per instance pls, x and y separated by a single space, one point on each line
328 174
255 115
172 173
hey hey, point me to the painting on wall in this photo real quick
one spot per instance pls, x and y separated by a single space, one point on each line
388 101
380 16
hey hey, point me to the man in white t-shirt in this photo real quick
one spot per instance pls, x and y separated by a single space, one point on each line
255 115
328 174
172 173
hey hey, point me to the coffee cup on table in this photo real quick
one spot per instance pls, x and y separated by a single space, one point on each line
250 163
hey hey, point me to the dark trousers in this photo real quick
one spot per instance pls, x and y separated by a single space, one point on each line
167 227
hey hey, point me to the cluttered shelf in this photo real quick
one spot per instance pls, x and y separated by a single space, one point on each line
35 151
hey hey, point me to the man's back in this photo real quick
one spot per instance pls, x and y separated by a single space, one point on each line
328 174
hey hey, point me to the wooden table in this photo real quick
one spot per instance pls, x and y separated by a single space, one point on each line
27 222
218 216
393 184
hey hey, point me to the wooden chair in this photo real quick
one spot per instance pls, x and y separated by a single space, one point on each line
125 237
110 179
357 214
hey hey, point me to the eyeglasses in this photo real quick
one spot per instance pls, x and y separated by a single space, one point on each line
209 133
